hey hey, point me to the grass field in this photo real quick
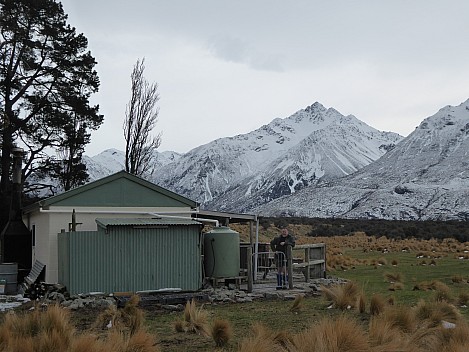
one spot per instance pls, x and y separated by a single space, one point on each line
422 268
402 295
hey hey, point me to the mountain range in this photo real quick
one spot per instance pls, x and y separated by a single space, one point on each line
318 162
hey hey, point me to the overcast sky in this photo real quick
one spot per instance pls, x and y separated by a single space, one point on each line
228 67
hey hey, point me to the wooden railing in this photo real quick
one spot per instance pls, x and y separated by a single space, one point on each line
313 263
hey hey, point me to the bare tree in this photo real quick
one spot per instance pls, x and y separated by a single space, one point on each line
141 116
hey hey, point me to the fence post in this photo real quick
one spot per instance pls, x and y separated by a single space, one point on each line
290 266
307 260
250 273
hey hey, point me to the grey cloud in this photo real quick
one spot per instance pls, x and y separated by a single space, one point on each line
236 50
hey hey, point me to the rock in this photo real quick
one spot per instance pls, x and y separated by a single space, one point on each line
76 304
271 295
56 296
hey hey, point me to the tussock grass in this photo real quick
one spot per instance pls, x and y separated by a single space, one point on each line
140 341
396 286
457 279
221 332
433 313
133 317
129 319
362 302
339 335
342 296
393 277
297 304
382 261
195 320
50 330
377 304
456 339
463 298
88 343
443 293
384 336
256 344
400 317
261 340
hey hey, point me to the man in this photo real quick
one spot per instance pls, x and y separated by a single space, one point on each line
279 247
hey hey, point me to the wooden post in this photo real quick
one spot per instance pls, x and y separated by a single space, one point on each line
307 268
290 266
250 273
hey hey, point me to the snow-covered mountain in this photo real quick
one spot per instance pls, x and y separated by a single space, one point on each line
277 159
112 160
426 176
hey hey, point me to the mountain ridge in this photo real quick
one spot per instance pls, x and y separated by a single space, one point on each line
425 177
283 156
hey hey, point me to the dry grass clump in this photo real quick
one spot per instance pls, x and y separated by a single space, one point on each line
463 298
396 286
339 335
434 285
221 332
129 319
393 277
457 279
342 296
50 330
383 336
140 341
442 293
400 317
457 339
297 303
377 304
194 320
382 261
262 340
429 327
337 261
362 302
433 313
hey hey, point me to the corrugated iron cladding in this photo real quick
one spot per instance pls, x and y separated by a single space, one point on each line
103 222
129 259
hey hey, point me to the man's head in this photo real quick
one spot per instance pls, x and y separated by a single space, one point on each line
284 232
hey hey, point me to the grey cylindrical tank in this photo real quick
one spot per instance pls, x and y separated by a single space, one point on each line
221 253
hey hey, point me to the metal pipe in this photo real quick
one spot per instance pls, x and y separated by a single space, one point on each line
256 249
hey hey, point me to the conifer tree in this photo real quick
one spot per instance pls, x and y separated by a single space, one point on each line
47 77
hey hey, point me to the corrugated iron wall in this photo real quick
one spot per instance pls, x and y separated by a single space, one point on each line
129 259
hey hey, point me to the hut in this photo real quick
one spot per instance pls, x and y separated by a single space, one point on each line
118 196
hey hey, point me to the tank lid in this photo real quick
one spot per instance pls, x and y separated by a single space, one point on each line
222 229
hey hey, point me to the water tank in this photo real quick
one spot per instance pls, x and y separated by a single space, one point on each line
221 253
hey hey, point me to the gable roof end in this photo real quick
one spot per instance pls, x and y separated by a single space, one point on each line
124 176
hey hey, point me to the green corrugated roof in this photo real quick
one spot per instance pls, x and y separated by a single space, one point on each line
105 222
121 189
